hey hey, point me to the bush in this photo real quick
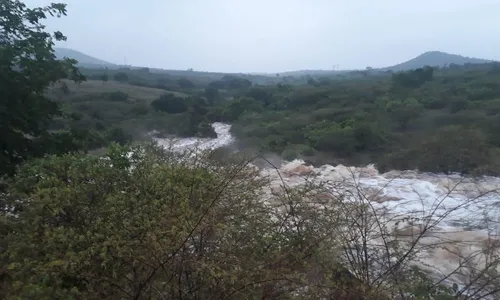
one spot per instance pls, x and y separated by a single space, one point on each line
185 83
117 96
206 130
450 149
170 104
128 223
121 77
140 222
118 135
297 151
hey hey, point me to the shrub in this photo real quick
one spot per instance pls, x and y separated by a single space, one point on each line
185 83
117 96
121 77
118 135
110 231
170 103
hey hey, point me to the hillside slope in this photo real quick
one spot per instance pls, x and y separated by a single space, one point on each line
435 59
97 88
84 60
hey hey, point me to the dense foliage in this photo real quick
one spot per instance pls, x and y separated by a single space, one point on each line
142 223
139 222
27 66
443 120
438 120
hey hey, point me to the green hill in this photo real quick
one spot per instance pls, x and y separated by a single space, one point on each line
435 59
430 58
84 60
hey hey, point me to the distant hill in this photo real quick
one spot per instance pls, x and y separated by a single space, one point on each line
435 59
84 60
430 58
316 73
89 62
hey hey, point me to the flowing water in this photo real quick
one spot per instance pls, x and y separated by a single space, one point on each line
224 138
464 212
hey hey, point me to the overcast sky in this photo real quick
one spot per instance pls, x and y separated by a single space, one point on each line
277 35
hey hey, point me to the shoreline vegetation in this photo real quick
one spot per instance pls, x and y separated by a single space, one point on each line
425 119
91 209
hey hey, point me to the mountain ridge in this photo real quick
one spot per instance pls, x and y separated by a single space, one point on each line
429 58
434 59
83 59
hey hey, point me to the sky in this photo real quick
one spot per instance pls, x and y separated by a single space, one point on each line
276 35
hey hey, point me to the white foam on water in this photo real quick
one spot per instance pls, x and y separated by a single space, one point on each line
407 192
463 213
458 205
223 138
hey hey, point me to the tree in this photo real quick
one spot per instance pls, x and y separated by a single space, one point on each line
236 108
212 94
458 104
28 66
117 96
170 103
142 223
104 77
234 82
456 149
162 82
403 112
261 95
118 135
312 81
64 88
121 77
414 78
185 83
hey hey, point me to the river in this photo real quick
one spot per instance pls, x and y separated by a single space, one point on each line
464 212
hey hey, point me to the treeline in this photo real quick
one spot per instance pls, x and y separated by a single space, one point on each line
117 117
104 116
179 80
138 222
444 120
425 119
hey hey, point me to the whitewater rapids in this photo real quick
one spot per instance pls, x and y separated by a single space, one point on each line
466 210
403 192
224 138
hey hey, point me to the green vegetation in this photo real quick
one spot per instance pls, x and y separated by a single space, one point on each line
435 59
443 120
100 107
83 59
28 66
398 121
139 222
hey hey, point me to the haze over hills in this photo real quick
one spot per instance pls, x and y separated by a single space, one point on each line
430 58
435 59
83 59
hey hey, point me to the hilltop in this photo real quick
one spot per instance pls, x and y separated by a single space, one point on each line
435 59
430 58
83 59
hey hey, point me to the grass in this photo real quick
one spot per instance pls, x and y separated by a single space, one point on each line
91 87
